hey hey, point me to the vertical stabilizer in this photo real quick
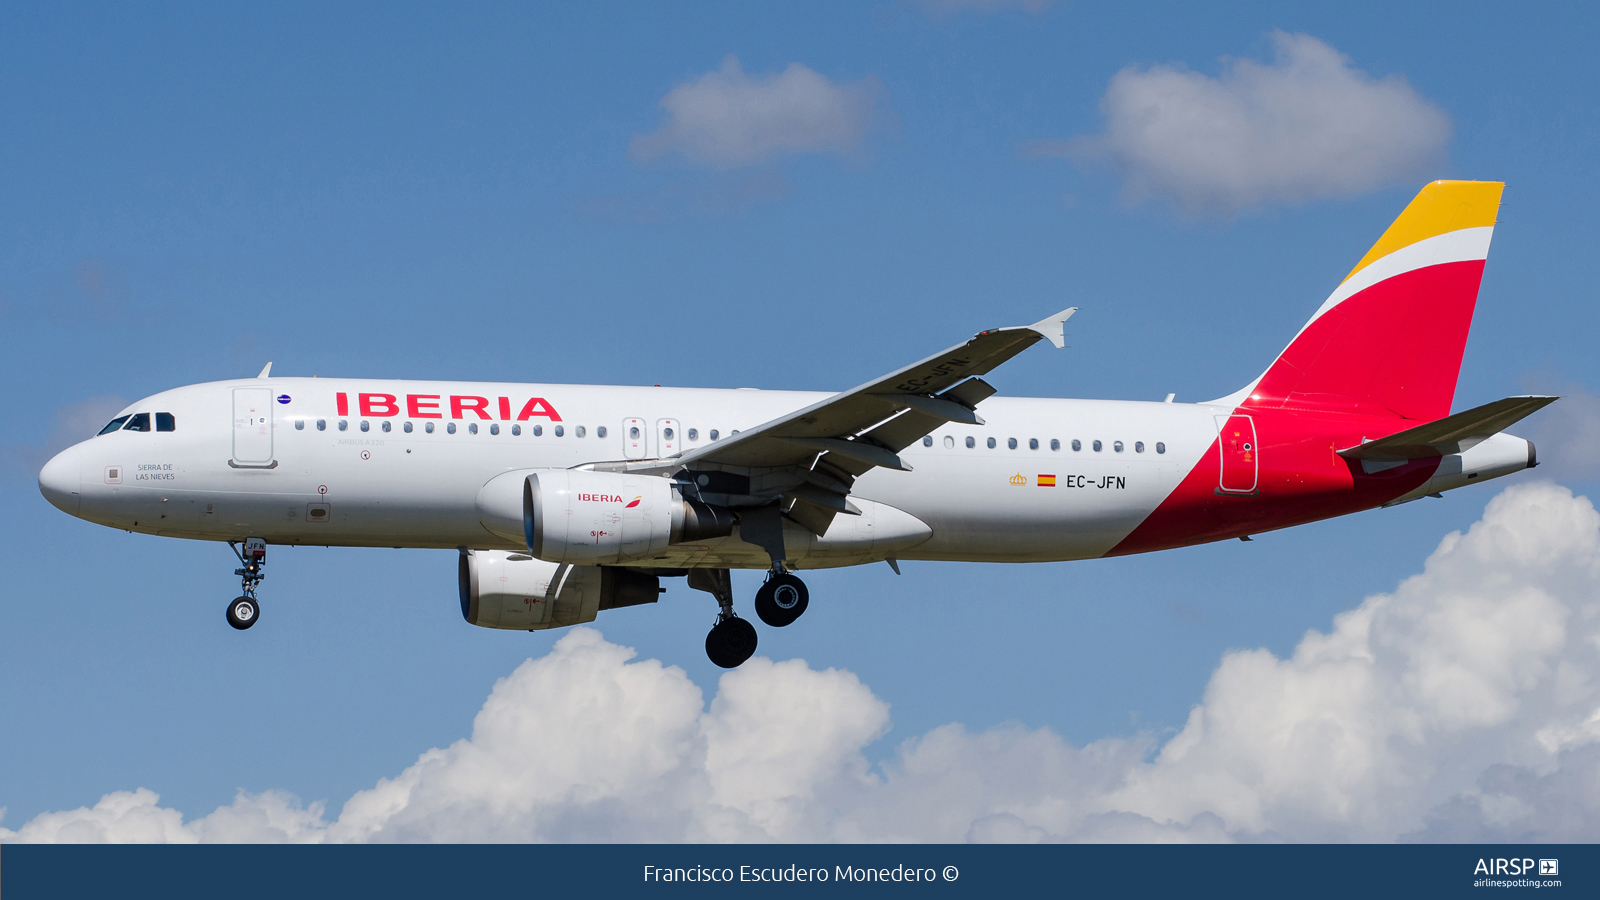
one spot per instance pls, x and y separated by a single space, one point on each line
1389 340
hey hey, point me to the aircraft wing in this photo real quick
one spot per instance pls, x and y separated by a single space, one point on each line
851 432
1452 434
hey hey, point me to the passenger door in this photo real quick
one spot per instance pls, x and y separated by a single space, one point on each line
1236 436
252 427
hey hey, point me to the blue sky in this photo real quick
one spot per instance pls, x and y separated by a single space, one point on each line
429 192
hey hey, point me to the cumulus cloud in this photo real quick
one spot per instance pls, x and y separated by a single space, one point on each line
1462 706
725 119
1309 125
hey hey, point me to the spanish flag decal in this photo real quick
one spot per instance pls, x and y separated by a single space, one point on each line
1047 481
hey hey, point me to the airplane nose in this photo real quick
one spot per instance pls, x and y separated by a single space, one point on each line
58 481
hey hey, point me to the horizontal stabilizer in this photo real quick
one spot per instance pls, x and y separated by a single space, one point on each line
1452 434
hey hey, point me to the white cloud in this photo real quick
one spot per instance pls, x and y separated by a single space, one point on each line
1464 705
726 118
1567 434
943 8
69 424
1307 126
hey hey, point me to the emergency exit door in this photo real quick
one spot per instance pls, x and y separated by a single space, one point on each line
668 441
252 426
635 442
1236 438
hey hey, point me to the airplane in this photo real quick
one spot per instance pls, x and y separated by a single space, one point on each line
568 500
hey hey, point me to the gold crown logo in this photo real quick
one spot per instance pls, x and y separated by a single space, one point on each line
1019 478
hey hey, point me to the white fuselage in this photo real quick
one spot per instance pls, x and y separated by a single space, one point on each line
296 471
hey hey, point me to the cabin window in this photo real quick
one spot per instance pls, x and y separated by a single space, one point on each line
516 431
406 428
714 434
387 427
991 443
538 431
138 422
343 425
494 428
1033 443
472 428
949 442
450 428
165 422
1011 443
970 442
1055 444
428 427
1077 444
1097 446
734 432
114 424
580 431
927 440
694 434
1117 446
633 433
666 433
322 424
365 426
1138 446
299 425
1160 447
600 432
561 430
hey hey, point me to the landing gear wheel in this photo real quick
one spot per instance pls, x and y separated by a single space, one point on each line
782 599
731 642
243 612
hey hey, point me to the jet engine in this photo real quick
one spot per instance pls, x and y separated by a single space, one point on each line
595 518
516 591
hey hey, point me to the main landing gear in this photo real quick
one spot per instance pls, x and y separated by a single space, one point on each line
244 610
782 599
733 640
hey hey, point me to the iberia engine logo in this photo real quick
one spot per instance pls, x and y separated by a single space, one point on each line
634 502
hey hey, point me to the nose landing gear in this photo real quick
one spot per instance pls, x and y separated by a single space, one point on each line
244 610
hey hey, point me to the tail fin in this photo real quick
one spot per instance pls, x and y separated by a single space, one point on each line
1389 340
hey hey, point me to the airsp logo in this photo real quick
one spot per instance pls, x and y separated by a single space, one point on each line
1549 867
1512 867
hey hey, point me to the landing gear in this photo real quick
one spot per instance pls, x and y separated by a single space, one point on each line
782 599
244 610
732 640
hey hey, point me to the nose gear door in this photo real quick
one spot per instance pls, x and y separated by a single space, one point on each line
1236 437
252 427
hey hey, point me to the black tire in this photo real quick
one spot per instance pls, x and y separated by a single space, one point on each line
243 612
731 642
782 600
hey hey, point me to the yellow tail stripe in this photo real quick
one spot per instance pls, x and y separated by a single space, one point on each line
1441 207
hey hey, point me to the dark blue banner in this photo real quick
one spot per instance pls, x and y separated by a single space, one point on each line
455 871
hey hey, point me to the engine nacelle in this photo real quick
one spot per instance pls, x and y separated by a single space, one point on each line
595 518
515 591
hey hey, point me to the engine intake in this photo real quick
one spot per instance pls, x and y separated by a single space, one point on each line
515 591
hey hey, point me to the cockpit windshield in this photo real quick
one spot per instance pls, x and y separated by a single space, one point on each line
139 422
113 425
